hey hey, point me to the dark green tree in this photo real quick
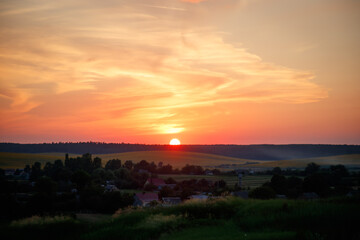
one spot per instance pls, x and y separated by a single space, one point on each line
45 185
113 164
278 183
262 193
97 163
311 168
277 170
36 171
128 164
81 179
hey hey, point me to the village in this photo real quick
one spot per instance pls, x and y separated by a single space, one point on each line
82 184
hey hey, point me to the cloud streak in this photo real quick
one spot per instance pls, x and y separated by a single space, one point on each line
130 69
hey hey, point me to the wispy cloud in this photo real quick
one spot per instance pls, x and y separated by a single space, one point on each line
165 7
130 68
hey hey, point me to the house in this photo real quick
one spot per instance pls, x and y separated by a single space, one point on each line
158 182
143 171
111 188
199 197
171 201
145 199
209 172
172 186
9 172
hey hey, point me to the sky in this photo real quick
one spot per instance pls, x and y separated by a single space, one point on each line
203 71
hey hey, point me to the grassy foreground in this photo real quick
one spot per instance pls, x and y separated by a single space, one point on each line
221 219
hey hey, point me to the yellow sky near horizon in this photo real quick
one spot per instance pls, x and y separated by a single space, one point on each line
215 71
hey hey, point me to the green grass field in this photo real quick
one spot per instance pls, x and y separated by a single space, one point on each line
179 159
230 218
248 181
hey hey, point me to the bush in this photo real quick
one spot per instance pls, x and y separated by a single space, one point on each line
262 193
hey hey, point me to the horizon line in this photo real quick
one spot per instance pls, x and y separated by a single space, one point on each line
193 144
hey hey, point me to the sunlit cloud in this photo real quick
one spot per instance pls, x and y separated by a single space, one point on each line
130 68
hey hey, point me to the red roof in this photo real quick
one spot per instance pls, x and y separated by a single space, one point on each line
156 181
147 196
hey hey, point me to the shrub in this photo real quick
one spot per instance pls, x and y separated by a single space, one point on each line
262 193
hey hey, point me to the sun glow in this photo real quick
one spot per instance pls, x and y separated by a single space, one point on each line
174 141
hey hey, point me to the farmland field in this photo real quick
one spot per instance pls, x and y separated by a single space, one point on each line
248 181
19 160
350 160
179 159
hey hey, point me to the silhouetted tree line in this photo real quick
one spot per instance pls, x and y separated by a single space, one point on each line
258 152
326 182
81 184
186 188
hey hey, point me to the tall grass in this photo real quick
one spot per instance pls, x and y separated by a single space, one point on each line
39 220
230 218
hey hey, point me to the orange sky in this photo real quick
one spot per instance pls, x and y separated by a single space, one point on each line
210 71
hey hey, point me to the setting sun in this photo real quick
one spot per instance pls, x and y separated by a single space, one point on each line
175 141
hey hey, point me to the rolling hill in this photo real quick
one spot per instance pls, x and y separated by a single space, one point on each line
350 160
267 152
179 159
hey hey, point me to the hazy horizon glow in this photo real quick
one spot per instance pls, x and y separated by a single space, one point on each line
204 71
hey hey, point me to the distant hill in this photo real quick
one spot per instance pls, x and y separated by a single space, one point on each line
177 159
255 152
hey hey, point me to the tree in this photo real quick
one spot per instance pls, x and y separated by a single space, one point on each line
166 192
220 184
165 169
113 164
122 174
262 193
277 170
150 187
2 174
143 164
294 187
311 168
216 172
58 164
45 185
81 179
339 171
64 174
316 183
170 180
112 201
128 164
97 163
27 169
35 171
278 183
